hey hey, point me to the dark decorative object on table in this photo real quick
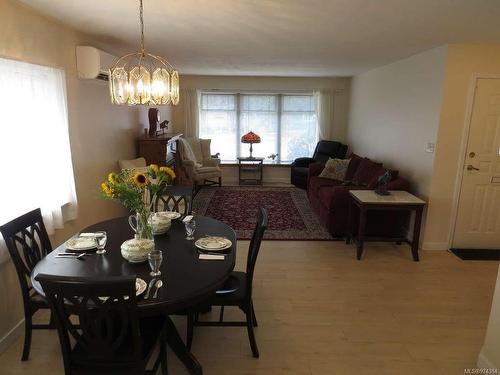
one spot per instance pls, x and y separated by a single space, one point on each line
273 156
382 183
251 138
154 123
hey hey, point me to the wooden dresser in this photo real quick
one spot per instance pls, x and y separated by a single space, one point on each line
159 150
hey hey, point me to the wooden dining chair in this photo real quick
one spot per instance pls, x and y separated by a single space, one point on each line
28 242
174 198
237 291
105 333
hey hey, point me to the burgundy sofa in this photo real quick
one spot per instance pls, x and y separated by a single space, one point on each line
330 198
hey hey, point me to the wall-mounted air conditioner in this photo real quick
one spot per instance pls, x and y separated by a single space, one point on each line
92 63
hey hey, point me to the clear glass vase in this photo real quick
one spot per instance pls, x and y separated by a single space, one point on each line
141 224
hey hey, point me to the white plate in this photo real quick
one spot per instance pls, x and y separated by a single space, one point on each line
81 243
172 215
140 287
213 243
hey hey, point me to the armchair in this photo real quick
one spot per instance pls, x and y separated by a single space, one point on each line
195 165
324 150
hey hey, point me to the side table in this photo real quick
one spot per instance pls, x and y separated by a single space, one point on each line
250 165
367 200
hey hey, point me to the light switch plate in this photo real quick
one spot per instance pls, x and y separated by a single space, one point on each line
430 147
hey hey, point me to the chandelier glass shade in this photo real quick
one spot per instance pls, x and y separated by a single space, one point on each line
141 78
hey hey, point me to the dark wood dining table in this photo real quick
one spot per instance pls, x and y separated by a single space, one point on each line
187 280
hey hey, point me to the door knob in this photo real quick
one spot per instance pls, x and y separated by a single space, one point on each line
470 167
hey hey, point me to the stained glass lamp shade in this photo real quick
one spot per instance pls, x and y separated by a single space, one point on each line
251 138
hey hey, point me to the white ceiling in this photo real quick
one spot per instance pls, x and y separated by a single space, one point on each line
282 37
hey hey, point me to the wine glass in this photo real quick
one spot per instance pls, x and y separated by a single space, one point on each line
101 239
190 228
155 258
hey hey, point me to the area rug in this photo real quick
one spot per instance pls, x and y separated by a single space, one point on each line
477 254
290 215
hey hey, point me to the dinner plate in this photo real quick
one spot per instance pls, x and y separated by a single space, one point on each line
81 243
172 215
213 243
140 287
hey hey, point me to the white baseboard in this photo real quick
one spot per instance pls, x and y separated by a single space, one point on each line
484 362
11 336
442 246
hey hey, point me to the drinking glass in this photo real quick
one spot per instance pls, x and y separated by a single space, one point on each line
155 257
190 228
101 239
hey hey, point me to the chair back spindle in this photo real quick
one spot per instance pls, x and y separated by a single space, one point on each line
174 198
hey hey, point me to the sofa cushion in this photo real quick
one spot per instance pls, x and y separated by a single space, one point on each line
335 169
366 172
316 182
353 166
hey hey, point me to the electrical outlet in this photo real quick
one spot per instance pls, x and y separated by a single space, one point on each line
430 147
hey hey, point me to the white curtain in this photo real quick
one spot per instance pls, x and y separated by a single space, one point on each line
325 107
35 154
191 109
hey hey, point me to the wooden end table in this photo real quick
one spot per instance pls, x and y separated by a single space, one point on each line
367 200
250 165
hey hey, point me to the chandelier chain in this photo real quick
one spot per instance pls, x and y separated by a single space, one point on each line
141 17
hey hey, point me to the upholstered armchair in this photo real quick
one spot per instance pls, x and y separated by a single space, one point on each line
324 150
195 164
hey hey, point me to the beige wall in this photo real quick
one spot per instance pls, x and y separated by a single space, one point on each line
99 133
464 61
339 85
394 113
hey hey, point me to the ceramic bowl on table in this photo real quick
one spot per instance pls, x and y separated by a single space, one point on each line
137 249
160 223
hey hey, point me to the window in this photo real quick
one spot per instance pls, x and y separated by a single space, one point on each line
35 154
286 123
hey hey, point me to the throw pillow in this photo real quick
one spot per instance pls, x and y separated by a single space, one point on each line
353 166
365 173
335 169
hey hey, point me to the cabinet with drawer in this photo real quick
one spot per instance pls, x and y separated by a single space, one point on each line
159 150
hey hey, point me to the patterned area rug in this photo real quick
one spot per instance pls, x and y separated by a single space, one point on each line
290 215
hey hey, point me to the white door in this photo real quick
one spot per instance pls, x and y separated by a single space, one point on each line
478 220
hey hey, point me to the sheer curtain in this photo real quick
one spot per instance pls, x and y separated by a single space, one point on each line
325 105
35 154
191 106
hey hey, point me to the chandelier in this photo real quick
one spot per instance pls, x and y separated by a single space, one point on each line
141 78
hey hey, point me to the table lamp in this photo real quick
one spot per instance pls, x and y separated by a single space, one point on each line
251 138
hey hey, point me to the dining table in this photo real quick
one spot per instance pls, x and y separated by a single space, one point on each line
186 279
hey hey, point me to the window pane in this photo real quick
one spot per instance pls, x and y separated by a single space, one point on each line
258 113
218 123
218 102
302 103
299 133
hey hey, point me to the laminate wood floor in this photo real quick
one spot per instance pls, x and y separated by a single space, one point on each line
321 312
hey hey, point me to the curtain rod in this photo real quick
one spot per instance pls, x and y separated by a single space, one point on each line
244 91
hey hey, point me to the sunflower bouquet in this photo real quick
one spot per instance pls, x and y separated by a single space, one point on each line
136 190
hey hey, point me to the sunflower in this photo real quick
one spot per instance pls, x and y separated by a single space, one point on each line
140 179
112 178
168 171
106 189
154 168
